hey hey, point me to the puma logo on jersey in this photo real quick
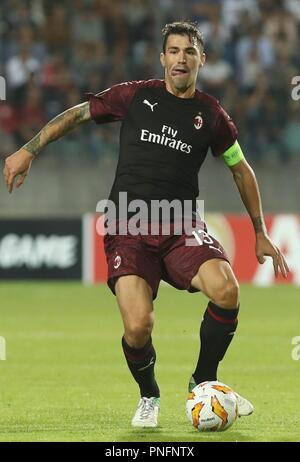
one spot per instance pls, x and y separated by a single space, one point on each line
149 104
215 248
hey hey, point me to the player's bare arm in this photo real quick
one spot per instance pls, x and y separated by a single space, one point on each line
246 182
19 163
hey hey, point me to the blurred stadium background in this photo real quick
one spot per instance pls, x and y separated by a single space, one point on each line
52 52
62 337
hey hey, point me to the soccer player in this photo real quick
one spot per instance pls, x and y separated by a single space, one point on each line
167 128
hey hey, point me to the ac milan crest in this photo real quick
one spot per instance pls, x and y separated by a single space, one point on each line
117 261
198 121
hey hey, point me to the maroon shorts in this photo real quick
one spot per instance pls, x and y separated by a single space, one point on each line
159 257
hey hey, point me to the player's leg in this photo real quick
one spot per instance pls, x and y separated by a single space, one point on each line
217 281
134 297
205 267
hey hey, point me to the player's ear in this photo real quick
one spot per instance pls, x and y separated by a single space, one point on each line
162 59
202 59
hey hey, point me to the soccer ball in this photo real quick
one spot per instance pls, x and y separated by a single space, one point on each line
212 406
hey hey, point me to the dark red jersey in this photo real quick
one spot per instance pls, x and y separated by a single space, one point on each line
163 139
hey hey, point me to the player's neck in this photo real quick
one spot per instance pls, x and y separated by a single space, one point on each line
187 93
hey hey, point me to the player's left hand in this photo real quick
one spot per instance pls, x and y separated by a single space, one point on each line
265 247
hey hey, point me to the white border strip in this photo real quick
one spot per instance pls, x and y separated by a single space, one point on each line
88 245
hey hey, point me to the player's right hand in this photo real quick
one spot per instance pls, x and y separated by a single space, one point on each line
17 164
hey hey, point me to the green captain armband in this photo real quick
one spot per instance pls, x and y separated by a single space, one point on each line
233 155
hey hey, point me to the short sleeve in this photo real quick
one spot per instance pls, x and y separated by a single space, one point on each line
112 104
224 133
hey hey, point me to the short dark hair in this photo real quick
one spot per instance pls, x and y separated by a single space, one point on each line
183 28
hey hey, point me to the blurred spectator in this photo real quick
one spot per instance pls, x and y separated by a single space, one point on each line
144 55
116 29
31 116
95 82
215 74
26 37
214 32
282 28
20 69
8 119
87 26
18 13
87 59
57 30
291 138
254 53
293 6
203 12
232 11
275 118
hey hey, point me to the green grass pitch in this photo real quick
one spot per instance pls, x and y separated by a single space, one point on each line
65 378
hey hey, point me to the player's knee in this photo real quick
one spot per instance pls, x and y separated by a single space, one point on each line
138 332
227 295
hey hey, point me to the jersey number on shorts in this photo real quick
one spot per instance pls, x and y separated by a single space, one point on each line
202 237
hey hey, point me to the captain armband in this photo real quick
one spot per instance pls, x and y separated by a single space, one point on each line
233 155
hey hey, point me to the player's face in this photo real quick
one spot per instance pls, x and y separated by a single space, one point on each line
181 60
